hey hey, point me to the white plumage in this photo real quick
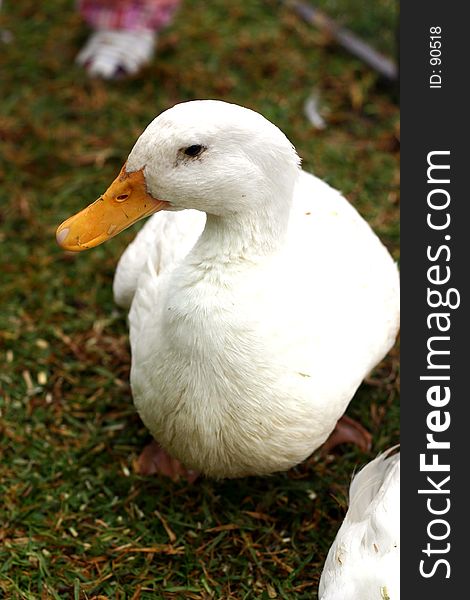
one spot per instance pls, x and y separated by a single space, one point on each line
364 561
250 329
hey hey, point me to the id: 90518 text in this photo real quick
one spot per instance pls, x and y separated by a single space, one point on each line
435 60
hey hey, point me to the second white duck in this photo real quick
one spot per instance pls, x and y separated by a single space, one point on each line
363 562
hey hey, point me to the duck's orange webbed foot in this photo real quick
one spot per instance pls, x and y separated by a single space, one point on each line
348 430
155 460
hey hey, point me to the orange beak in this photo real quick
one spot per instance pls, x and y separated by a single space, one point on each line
124 202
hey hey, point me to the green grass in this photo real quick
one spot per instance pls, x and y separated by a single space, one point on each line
75 520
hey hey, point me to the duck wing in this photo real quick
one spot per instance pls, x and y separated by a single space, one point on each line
164 240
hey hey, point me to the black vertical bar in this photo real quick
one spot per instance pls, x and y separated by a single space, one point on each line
435 270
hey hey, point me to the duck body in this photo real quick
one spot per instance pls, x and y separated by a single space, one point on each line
364 560
259 298
242 362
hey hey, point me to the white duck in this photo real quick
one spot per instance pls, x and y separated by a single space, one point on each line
364 561
258 300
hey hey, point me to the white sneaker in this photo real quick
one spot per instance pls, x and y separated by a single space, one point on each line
114 53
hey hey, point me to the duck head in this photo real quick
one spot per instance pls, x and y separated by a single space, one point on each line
207 155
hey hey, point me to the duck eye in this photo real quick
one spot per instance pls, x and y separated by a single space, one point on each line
194 150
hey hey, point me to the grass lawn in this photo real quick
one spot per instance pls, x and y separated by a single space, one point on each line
75 520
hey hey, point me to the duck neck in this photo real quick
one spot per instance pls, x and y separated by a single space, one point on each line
246 236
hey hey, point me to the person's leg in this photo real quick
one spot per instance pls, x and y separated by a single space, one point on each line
125 34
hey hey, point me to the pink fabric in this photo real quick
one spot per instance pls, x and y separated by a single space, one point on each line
128 14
